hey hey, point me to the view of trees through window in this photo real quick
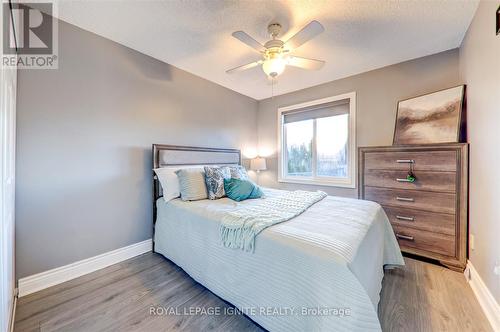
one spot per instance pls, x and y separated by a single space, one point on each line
331 141
331 147
299 136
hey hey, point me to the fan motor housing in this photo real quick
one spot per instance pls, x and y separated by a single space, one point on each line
274 44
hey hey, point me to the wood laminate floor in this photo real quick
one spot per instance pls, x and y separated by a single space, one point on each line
421 297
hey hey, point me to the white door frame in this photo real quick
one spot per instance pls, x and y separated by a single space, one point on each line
8 84
7 193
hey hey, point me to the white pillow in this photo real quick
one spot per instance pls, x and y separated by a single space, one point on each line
170 181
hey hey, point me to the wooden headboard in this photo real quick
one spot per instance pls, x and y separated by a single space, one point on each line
175 155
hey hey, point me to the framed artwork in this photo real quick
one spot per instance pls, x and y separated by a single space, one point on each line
430 118
498 20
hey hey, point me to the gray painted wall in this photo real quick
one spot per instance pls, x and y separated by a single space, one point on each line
378 92
480 69
84 135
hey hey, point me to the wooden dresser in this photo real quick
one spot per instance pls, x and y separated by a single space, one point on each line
429 215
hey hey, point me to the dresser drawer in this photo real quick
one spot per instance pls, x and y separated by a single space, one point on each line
427 221
414 199
427 241
423 160
425 180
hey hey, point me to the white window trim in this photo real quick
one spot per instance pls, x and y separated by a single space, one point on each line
350 181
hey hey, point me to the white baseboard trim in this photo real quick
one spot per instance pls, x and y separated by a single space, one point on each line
488 303
74 270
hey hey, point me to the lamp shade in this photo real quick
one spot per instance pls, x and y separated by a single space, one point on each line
258 164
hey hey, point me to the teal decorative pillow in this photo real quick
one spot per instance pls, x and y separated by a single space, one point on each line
239 190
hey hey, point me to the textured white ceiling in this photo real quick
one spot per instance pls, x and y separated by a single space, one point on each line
196 35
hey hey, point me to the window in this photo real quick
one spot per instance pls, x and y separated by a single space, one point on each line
317 142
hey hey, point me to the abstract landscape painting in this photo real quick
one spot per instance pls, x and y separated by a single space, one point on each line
432 118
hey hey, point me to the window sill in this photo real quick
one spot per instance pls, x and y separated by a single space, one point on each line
340 184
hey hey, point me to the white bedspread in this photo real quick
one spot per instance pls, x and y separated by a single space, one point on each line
313 261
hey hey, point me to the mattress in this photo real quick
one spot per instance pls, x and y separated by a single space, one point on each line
309 273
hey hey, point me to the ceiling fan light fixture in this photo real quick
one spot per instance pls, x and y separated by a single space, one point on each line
276 54
274 66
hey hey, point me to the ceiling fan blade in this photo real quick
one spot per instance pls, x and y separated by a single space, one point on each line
249 41
307 33
244 67
305 63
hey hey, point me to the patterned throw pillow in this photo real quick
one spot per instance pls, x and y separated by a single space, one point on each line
238 172
214 178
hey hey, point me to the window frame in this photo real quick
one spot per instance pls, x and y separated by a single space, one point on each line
350 181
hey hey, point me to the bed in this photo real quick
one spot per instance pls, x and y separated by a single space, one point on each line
321 270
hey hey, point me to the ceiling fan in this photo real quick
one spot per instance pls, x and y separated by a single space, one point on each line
276 53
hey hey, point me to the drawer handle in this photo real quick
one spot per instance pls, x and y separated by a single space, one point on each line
405 218
404 180
405 199
405 161
405 237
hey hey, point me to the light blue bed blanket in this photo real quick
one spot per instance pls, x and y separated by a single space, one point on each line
329 256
